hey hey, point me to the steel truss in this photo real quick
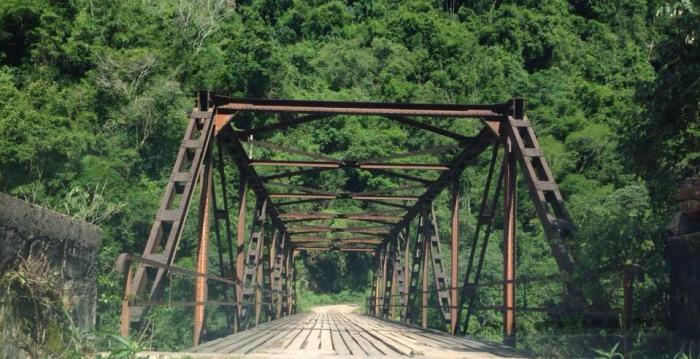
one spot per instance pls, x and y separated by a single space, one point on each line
258 277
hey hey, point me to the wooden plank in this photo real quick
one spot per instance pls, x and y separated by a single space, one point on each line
215 345
300 339
313 341
389 336
326 339
371 330
253 344
424 336
347 335
367 341
443 341
272 331
291 335
353 345
244 335
282 333
339 345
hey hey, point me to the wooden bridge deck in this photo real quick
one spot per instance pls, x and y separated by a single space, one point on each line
338 335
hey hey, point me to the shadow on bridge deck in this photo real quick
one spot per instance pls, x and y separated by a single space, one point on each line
340 334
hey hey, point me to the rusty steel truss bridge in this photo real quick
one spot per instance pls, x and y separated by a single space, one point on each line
257 271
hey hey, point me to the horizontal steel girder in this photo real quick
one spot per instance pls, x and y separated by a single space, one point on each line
342 196
348 164
368 216
360 108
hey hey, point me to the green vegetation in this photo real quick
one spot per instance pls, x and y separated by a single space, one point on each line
309 299
33 319
95 97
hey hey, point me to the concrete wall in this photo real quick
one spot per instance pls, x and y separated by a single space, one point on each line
68 244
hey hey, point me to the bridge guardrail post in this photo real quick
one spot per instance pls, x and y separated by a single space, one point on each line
123 265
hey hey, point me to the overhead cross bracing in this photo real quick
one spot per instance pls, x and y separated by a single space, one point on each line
381 197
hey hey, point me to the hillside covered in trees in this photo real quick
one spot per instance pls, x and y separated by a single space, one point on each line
96 96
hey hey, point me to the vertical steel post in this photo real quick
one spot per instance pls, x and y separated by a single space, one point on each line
294 284
377 281
272 260
385 258
393 299
509 244
240 246
202 248
259 279
390 278
287 282
424 274
454 251
406 272
125 319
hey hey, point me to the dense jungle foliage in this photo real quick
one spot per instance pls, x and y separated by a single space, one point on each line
96 96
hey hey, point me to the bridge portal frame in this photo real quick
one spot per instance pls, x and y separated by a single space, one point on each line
506 127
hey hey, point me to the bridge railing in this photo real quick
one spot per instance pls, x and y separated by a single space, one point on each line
281 303
376 305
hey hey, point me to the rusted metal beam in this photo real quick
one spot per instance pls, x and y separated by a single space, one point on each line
454 255
302 196
509 244
312 164
403 166
384 279
333 196
324 229
352 240
125 317
165 234
359 108
307 248
202 246
240 243
383 198
424 275
350 164
360 216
